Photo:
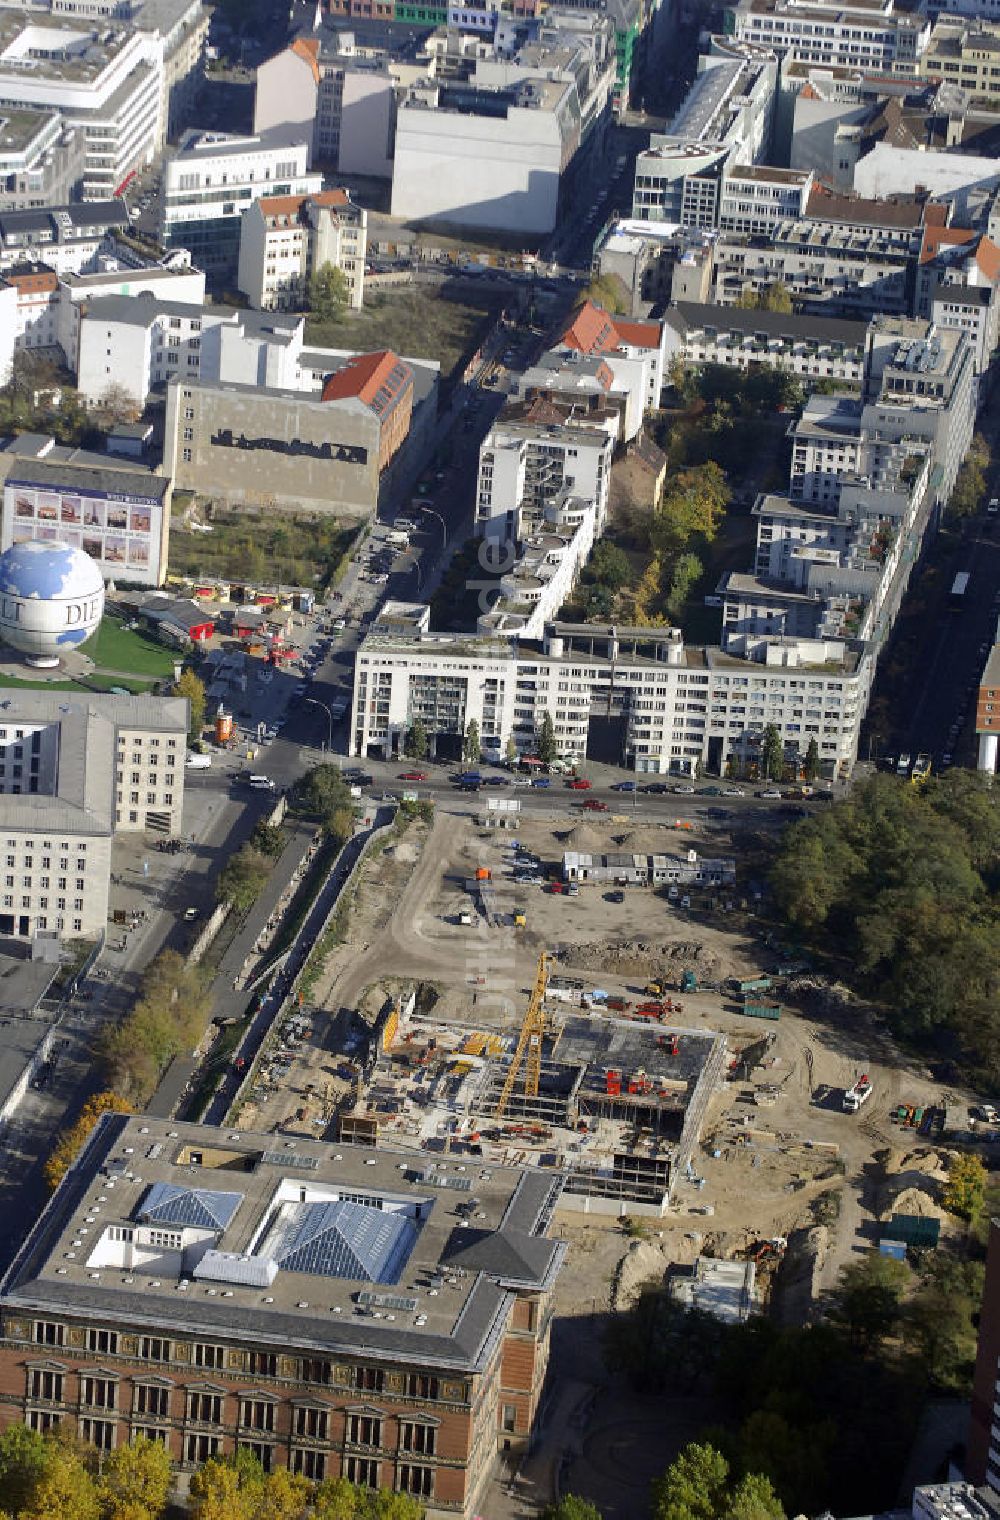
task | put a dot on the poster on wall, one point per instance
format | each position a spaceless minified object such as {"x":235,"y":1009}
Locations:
{"x":122,"y":533}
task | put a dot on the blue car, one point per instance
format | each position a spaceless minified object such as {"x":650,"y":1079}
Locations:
{"x":623,"y":786}
{"x":541,"y":781}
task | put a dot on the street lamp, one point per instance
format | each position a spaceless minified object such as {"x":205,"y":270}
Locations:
{"x":312,"y":702}
{"x":416,"y":567}
{"x":444,"y":526}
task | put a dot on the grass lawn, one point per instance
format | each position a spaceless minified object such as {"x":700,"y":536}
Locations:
{"x":114,"y":647}
{"x":418,"y":320}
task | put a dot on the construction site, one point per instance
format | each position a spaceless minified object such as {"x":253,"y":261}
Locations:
{"x":616,"y":1107}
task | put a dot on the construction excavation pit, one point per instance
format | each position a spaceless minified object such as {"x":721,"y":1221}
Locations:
{"x":614,"y":1106}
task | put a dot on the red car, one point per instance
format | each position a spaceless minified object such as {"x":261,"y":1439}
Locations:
{"x":413,"y":775}
{"x":595,"y":806}
{"x":578,"y":784}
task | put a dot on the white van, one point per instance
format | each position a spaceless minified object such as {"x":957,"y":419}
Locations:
{"x":196,"y":762}
{"x":261,"y":783}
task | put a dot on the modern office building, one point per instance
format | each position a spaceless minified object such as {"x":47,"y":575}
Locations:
{"x":212,"y":179}
{"x":41,"y":159}
{"x":104,"y":81}
{"x":74,"y":771}
{"x":724,"y":121}
{"x":285,"y":239}
{"x":876,"y":37}
{"x":982,"y":1464}
{"x":346,"y":1311}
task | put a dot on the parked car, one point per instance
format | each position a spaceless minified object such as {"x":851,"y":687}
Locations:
{"x":413,"y":775}
{"x":540,"y":781}
{"x":594,"y":805}
{"x":733,"y":791}
{"x":578,"y":784}
{"x":623,"y":786}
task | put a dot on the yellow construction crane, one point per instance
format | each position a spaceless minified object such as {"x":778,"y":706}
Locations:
{"x":529,"y":1044}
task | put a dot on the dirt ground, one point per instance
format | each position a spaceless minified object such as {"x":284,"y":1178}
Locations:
{"x":775,"y":1139}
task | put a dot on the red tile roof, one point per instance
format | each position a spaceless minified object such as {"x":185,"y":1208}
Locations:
{"x":307,"y":48}
{"x":378,"y":379}
{"x":593,"y":331}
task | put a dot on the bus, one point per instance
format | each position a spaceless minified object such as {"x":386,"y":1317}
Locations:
{"x":959,"y":587}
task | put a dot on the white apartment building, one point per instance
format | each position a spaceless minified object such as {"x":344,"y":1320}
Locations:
{"x":213,"y":178}
{"x":670,"y":709}
{"x":138,"y":343}
{"x":174,"y":280}
{"x":813,"y":347}
{"x":8,"y":330}
{"x":37,"y":310}
{"x":41,"y":159}
{"x":543,"y":571}
{"x":284,"y":240}
{"x":67,"y":238}
{"x":919,"y":397}
{"x":875,"y":37}
{"x":75,"y":770}
{"x":525,"y":467}
{"x":826,"y":267}
{"x":105,"y":81}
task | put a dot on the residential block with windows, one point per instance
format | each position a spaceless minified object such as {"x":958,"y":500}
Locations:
{"x":338,"y":1310}
{"x":73,"y":772}
{"x":285,"y":239}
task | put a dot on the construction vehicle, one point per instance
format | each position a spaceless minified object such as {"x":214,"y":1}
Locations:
{"x":689,"y":981}
{"x":650,"y":1011}
{"x":618,"y":1004}
{"x":528,"y":1052}
{"x":767,"y":1250}
{"x":520,"y":918}
{"x":754,"y":984}
{"x":855,"y":1097}
{"x":655,"y":988}
{"x":921,"y":769}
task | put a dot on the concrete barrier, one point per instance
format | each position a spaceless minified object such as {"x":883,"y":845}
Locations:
{"x":211,"y":928}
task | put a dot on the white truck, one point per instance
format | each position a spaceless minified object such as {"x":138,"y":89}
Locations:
{"x":857,"y":1096}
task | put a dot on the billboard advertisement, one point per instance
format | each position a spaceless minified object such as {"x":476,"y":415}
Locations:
{"x":123,"y":534}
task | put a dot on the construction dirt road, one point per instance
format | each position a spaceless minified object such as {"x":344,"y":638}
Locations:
{"x":778,"y":1157}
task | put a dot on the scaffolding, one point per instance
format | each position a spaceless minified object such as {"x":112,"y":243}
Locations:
{"x":529,"y":1044}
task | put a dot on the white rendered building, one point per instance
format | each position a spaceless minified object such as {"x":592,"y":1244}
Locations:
{"x":285,"y":239}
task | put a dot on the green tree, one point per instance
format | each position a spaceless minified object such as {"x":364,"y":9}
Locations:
{"x":970,"y":483}
{"x":24,"y":1457}
{"x":966,"y":1186}
{"x":754,"y":1498}
{"x":570,"y":1507}
{"x":192,"y":687}
{"x":417,"y":744}
{"x":773,"y":297}
{"x":686,"y":572}
{"x":335,"y":1499}
{"x":609,"y":292}
{"x":135,"y":1481}
{"x":609,"y":566}
{"x":63,"y":1490}
{"x":811,"y":763}
{"x":693,"y":504}
{"x":868,"y":1302}
{"x":772,"y":753}
{"x":242,"y":878}
{"x":694,"y":1486}
{"x":471,"y":744}
{"x":329,"y":293}
{"x":269,"y":839}
{"x":546,"y":739}
{"x":324,"y":794}
{"x":510,"y":751}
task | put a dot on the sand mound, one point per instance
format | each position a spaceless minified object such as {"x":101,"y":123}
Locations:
{"x":913,"y":1200}
{"x":584,"y":840}
{"x":643,"y":1262}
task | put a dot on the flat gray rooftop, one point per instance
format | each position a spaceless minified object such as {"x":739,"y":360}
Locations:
{"x":251,"y":1257}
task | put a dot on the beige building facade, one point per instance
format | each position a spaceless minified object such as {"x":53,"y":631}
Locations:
{"x":258,"y":446}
